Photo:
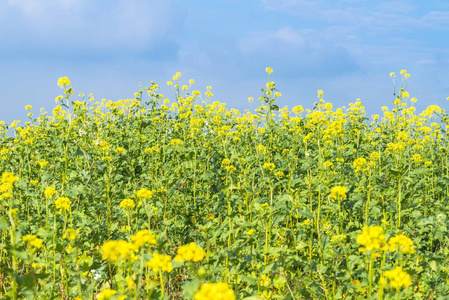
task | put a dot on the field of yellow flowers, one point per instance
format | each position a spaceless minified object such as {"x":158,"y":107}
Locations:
{"x":152,"y":198}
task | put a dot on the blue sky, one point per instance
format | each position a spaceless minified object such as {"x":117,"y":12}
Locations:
{"x":345,"y":47}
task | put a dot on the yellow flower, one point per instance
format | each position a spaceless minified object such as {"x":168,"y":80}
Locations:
{"x":63,"y":203}
{"x":250,"y":232}
{"x":70,"y":234}
{"x":42,"y":163}
{"x":338,"y":192}
{"x":219,"y":290}
{"x":106,"y":294}
{"x":28,"y":107}
{"x":226,"y":162}
{"x":320,"y":93}
{"x":230,"y":168}
{"x":305,"y":223}
{"x":8,"y":179}
{"x":190,"y":252}
{"x":64,"y":81}
{"x":417,"y":158}
{"x":359,"y":163}
{"x":120,"y":150}
{"x":49,"y":192}
{"x":269,"y":167}
{"x":175,"y":142}
{"x":269,"y":70}
{"x":127,"y":204}
{"x":261,"y":149}
{"x":143,"y":237}
{"x":279,"y":174}
{"x":398,"y":278}
{"x":160,"y":262}
{"x":372,"y":238}
{"x":113,"y":250}
{"x":130,"y":282}
{"x":402,"y":243}
{"x":5,"y":195}
{"x":144,"y":194}
{"x":32,"y":241}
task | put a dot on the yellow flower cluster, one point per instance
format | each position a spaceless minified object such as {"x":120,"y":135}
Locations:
{"x":63,"y":203}
{"x":359,"y":163}
{"x":120,"y":150}
{"x":216,"y":291}
{"x":176,"y":142}
{"x":230,"y":169}
{"x":8,"y":179}
{"x":249,"y":233}
{"x":269,"y":167}
{"x":70,"y":234}
{"x":396,"y":147}
{"x":402,"y":243}
{"x":261,"y":149}
{"x":32,"y":241}
{"x":144,"y":194}
{"x":338,"y":192}
{"x":127,"y":204}
{"x":372,"y":238}
{"x":160,"y":262}
{"x":42,"y":163}
{"x":152,"y":149}
{"x":190,"y":252}
{"x":279,"y":174}
{"x":63,"y":81}
{"x":49,"y":192}
{"x":106,"y":294}
{"x":397,"y":278}
{"x":143,"y":237}
{"x":417,"y":158}
{"x":114,"y":250}
{"x":226,"y":161}
{"x":305,"y":223}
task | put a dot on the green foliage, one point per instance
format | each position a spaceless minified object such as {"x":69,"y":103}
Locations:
{"x":254,"y":190}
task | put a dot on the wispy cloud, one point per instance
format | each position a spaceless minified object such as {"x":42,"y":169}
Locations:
{"x":125,"y":25}
{"x":298,"y":52}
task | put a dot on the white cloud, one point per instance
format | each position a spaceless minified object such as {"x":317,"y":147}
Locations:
{"x":289,"y":4}
{"x":381,"y":16}
{"x":37,"y":8}
{"x":117,"y":24}
{"x":284,"y":38}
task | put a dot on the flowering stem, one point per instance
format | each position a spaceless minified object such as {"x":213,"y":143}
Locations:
{"x":162,"y":284}
{"x":399,"y":204}
{"x":367,"y":206}
{"x":14,"y":284}
{"x":370,"y":274}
